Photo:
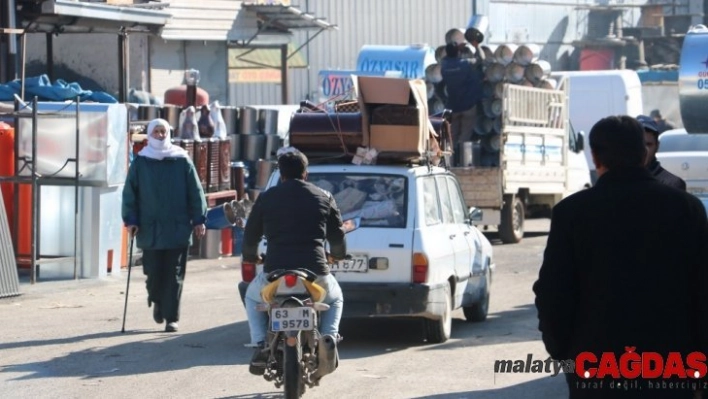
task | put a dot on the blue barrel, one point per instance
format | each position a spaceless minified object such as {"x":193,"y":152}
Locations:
{"x":220,"y":217}
{"x":237,"y":249}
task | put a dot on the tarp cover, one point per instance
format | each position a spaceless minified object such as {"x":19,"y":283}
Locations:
{"x":45,"y":90}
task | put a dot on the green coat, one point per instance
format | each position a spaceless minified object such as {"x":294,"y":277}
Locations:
{"x":165,"y":200}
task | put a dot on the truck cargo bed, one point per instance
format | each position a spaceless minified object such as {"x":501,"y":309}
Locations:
{"x":481,"y":187}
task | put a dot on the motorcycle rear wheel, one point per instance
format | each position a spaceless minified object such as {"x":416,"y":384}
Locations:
{"x":291,"y":369}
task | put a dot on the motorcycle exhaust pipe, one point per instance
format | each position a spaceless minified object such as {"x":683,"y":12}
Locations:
{"x":327,"y":356}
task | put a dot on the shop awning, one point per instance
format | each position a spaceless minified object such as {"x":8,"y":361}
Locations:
{"x":261,"y":23}
{"x":67,"y":16}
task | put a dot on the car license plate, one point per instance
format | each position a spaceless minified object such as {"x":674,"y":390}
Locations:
{"x":292,"y":319}
{"x":357,"y":264}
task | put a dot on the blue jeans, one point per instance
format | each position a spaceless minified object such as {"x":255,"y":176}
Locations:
{"x":329,"y":322}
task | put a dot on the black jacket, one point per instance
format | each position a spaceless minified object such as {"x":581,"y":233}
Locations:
{"x":665,"y":176}
{"x":295,"y":217}
{"x":626,"y":264}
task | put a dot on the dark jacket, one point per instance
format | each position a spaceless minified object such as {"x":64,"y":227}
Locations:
{"x":626,"y":264}
{"x":463,"y":80}
{"x":165,"y":199}
{"x":295,"y":217}
{"x":666,"y":177}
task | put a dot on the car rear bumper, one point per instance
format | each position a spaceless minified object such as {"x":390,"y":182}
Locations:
{"x":363,"y":300}
{"x":393,"y":300}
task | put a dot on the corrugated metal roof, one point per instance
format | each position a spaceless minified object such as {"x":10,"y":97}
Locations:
{"x":200,"y":19}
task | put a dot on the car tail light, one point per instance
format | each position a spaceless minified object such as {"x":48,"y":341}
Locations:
{"x":248,"y":271}
{"x":420,"y":268}
{"x":290,"y":280}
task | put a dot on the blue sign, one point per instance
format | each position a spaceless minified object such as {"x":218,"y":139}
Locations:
{"x":411,"y":61}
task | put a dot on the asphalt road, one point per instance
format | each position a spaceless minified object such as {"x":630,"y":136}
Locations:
{"x":62,"y":339}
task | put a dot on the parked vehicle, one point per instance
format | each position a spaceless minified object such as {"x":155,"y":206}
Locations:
{"x":416,"y":253}
{"x":540,"y":162}
{"x":299,"y":356}
{"x":597,"y":94}
{"x":686,"y":156}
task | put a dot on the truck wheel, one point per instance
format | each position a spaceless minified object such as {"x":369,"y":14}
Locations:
{"x":438,"y":331}
{"x":511,"y":229}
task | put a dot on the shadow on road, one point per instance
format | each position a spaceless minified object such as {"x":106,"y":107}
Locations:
{"x":268,"y":395}
{"x":163,"y":352}
{"x":510,"y":326}
{"x":373,"y":337}
{"x":542,"y":388}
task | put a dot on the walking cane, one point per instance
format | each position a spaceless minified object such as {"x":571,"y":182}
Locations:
{"x":127,"y":287}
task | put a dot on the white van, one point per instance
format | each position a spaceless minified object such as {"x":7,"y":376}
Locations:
{"x":597,"y":94}
{"x":416,"y":253}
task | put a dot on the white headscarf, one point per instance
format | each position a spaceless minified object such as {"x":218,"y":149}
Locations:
{"x":161,"y":149}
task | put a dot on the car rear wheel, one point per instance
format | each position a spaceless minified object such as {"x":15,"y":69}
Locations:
{"x":478,"y":312}
{"x":438,"y":331}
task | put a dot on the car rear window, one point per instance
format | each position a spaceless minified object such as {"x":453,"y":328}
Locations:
{"x":684,"y":142}
{"x":381,"y":200}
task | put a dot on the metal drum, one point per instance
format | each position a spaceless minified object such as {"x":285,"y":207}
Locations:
{"x":273,"y":143}
{"x":514,"y":72}
{"x":224,"y":164}
{"x":238,"y":178}
{"x":148,"y":112}
{"x":537,"y":70}
{"x":252,"y":146}
{"x":465,"y":158}
{"x":230,"y":115}
{"x":693,"y":80}
{"x":526,"y":54}
{"x":504,"y":54}
{"x":212,"y":164}
{"x":433,"y":73}
{"x":264,"y":169}
{"x":235,"y":140}
{"x":440,"y":53}
{"x":494,"y":72}
{"x":188,"y":146}
{"x":201,"y":161}
{"x":170,"y":113}
{"x":477,"y":28}
{"x":268,"y":121}
{"x":248,"y":120}
{"x":455,"y":35}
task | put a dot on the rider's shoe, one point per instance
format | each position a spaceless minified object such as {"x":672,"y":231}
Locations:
{"x":259,"y":359}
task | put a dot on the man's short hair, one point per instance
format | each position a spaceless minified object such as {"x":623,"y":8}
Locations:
{"x":618,"y":142}
{"x":451,"y":50}
{"x":655,"y":114}
{"x":292,"y":165}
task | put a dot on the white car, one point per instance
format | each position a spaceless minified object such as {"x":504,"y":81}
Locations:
{"x":686,"y":156}
{"x":416,"y":253}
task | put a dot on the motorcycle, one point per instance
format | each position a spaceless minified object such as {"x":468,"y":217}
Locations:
{"x":298,"y":355}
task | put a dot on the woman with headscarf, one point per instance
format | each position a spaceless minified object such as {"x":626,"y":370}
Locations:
{"x":163,"y":204}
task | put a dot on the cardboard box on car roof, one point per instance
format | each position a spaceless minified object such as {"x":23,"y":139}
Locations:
{"x":400,"y":114}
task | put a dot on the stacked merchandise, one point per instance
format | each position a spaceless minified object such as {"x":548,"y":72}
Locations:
{"x":512,"y":64}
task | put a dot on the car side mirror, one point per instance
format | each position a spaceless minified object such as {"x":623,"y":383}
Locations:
{"x":580,"y":141}
{"x":351,"y":224}
{"x":476,"y":214}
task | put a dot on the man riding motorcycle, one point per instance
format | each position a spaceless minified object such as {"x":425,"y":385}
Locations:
{"x":296,"y":217}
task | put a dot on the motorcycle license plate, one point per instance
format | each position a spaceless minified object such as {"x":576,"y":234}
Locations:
{"x":292,"y":319}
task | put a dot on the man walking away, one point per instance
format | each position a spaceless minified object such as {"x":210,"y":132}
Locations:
{"x":625,"y":269}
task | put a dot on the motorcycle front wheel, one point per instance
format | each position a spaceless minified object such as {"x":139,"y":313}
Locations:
{"x":291,"y":371}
